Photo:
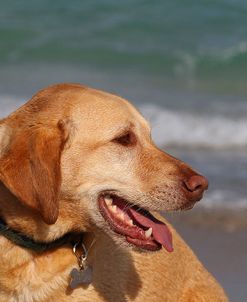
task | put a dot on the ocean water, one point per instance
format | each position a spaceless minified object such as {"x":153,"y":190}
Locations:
{"x":182,"y":63}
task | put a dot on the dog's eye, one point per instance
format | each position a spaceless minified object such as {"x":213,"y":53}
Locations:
{"x":127,"y":139}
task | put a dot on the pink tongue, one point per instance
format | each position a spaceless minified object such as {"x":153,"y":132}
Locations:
{"x":161,"y":233}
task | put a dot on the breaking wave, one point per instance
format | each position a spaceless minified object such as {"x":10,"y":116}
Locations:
{"x":178,"y":128}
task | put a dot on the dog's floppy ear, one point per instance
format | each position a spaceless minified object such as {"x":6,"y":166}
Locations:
{"x":30,"y":167}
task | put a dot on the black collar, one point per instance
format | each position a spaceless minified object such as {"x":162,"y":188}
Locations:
{"x":28,"y":243}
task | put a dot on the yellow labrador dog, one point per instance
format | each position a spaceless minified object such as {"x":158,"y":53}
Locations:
{"x":79,"y":178}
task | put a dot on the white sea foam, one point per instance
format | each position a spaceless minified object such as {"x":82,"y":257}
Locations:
{"x":223,"y":199}
{"x":172,"y":128}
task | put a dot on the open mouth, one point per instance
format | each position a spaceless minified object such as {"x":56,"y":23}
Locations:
{"x":139,"y":227}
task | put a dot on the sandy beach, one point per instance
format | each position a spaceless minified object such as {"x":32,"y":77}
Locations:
{"x":222,"y":247}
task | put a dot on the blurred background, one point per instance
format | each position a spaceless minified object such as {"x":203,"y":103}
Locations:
{"x":183,"y":64}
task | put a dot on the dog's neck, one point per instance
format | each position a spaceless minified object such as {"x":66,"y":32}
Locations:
{"x":12,"y":225}
{"x":26,"y":221}
{"x":26,"y":242}
{"x":26,"y":265}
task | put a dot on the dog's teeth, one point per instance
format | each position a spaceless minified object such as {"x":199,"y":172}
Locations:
{"x":114,"y":209}
{"x":121,"y":216}
{"x":108,"y":200}
{"x":130,"y":222}
{"x":148,"y":233}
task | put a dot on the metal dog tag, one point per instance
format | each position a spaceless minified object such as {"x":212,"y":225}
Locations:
{"x":81,"y":277}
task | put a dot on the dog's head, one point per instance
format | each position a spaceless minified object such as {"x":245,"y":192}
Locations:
{"x":80,"y":159}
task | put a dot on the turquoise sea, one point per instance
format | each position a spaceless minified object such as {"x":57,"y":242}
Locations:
{"x":183,"y":63}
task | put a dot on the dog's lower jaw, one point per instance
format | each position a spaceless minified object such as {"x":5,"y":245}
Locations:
{"x":136,"y":225}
